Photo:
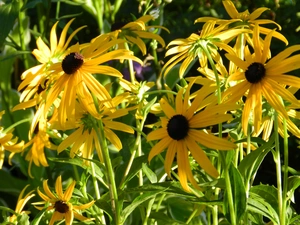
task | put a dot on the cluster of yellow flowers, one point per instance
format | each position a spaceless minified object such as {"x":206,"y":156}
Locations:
{"x":66,"y":95}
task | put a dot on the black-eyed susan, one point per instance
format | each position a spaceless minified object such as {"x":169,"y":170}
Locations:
{"x":72,"y":79}
{"x":135,"y":31}
{"x":268,"y":119}
{"x":183,"y":132}
{"x":258,"y":78}
{"x":22,"y":201}
{"x":84,"y":140}
{"x":36,"y":149}
{"x":245,"y":20}
{"x":35,"y":78}
{"x":61,"y":203}
{"x":8,"y":142}
{"x":197,"y":46}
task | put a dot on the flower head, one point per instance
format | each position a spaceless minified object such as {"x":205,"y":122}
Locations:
{"x":7,"y":142}
{"x":72,"y":79}
{"x":34,"y":78}
{"x":197,"y":46}
{"x":258,"y":78}
{"x":61,"y":203}
{"x":246,"y":20}
{"x":84,"y":140}
{"x":22,"y":200}
{"x":134,"y":31}
{"x":183,"y":129}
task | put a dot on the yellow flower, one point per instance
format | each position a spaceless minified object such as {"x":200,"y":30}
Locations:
{"x":34,"y":78}
{"x":197,"y":46}
{"x":258,"y":78}
{"x":36,"y":152}
{"x":246,"y":20}
{"x":268,"y":123}
{"x":72,"y":79}
{"x":84,"y":140}
{"x":7,"y":142}
{"x":21,"y":203}
{"x":183,"y":129}
{"x":134,"y":31}
{"x":61,"y":203}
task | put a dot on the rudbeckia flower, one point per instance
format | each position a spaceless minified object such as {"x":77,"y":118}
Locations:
{"x":7,"y":142}
{"x":61,"y":203}
{"x":22,"y":200}
{"x":35,"y":77}
{"x":183,"y":132}
{"x":268,"y":123}
{"x":258,"y":78}
{"x":84,"y":140}
{"x":134,"y":31}
{"x":72,"y":79}
{"x":246,"y":20}
{"x":197,"y":46}
{"x":36,"y":151}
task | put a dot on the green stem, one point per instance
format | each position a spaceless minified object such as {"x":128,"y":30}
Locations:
{"x":117,"y":6}
{"x":57,"y":10}
{"x":285,"y":171}
{"x":139,"y":147}
{"x":110,"y":173}
{"x":21,"y":18}
{"x":222,"y":154}
{"x":130,"y":66}
{"x":15,"y":124}
{"x":192,"y":216}
{"x":99,"y":5}
{"x":228,"y":190}
{"x":97,"y":192}
{"x":277,"y":161}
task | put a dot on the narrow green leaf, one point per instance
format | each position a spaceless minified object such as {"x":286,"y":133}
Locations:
{"x":164,"y":219}
{"x":8,"y":15}
{"x":250,"y":164}
{"x":293,"y":184}
{"x":135,"y":168}
{"x":79,"y":162}
{"x":238,"y":195}
{"x":149,"y":173}
{"x":136,"y":202}
{"x":170,"y":188}
{"x":101,"y":204}
{"x":38,"y":217}
{"x":266,"y":202}
{"x":256,"y":204}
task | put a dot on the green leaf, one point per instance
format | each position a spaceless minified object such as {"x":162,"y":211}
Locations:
{"x":263,"y":200}
{"x":293,"y":184}
{"x":8,"y":15}
{"x":149,"y":173}
{"x":170,"y":188}
{"x":79,"y":162}
{"x":31,"y":4}
{"x":250,"y":164}
{"x":38,"y":217}
{"x":136,"y":202}
{"x":295,"y":220}
{"x":238,"y":195}
{"x":102,"y":204}
{"x":12,"y":184}
{"x":135,"y":168}
{"x":162,"y":218}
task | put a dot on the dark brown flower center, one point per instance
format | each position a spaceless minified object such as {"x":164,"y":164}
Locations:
{"x":178,"y":127}
{"x":72,"y":62}
{"x":61,"y":207}
{"x":255,"y":72}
